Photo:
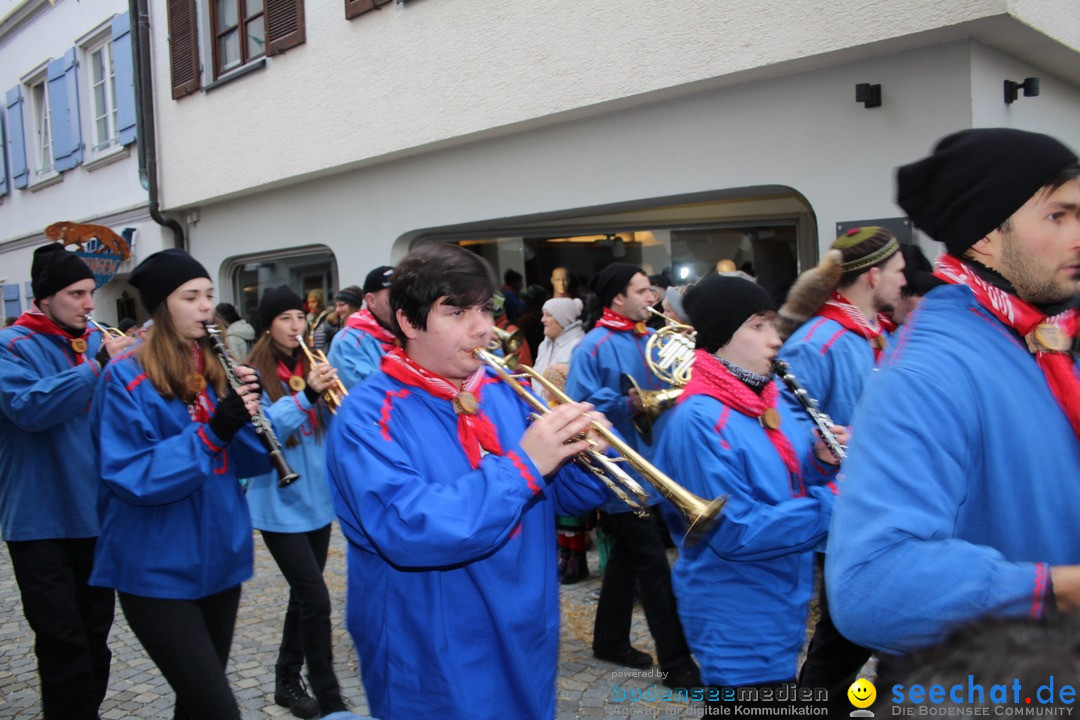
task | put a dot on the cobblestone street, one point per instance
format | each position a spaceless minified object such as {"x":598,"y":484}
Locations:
{"x":137,"y":690}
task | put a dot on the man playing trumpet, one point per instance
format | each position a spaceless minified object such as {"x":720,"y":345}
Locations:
{"x":448,"y":495}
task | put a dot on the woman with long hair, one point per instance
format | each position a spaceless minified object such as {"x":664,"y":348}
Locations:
{"x":173,"y":437}
{"x":296,"y":524}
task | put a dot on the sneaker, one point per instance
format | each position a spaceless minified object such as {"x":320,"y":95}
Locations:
{"x":292,"y":693}
{"x":629,"y":656}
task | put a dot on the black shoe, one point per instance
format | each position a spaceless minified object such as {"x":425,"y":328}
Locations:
{"x":292,"y":694}
{"x":330,"y":706}
{"x":577,"y":568}
{"x":628,"y":656}
{"x":688,"y":678}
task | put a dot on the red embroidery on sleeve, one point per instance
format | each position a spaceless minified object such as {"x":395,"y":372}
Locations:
{"x":524,"y":470}
{"x":384,"y":414}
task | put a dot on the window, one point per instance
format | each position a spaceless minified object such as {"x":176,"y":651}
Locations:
{"x":103,"y":95}
{"x":239,"y":28}
{"x":43,"y":145}
{"x":232,"y":34}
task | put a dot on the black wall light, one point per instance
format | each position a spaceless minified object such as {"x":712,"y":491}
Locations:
{"x":869,"y":95}
{"x":1030,"y":86}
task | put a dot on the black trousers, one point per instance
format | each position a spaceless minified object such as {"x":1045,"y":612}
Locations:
{"x":189,"y":642}
{"x":638,"y":559}
{"x":306,"y":635}
{"x":71,"y":622}
{"x":832,"y":661}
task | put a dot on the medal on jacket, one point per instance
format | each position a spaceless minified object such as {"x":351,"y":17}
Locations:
{"x":641,"y":328}
{"x":770,"y":419}
{"x":78,"y":345}
{"x":465,"y":403}
{"x":296,"y":383}
{"x":195,"y":383}
{"x":1047,"y":337}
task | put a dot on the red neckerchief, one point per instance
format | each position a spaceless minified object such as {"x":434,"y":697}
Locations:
{"x":840,"y":309}
{"x":39,"y":322}
{"x":615,"y":321}
{"x":285,"y":374}
{"x":475,"y":430}
{"x":711,"y":378}
{"x":364,"y":321}
{"x":1057,"y":365}
{"x":200,"y":406}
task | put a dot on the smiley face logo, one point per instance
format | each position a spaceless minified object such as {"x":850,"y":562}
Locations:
{"x":862,"y":693}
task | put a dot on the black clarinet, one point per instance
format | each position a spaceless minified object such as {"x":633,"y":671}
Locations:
{"x":263,"y":428}
{"x":821,"y":420}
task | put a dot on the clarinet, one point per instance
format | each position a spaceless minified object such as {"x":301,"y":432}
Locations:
{"x":263,"y":429}
{"x":821,"y":420}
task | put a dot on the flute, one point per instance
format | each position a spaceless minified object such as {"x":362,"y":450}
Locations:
{"x":263,"y":428}
{"x":823,"y":422}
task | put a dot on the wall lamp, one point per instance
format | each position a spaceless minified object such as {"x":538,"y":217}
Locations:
{"x":869,"y":95}
{"x":1030,"y":86}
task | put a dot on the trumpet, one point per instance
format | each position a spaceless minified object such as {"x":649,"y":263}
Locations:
{"x":698,"y":514}
{"x":508,"y":342}
{"x":331,"y":396}
{"x":263,"y":428}
{"x":823,"y":422}
{"x":105,"y":329}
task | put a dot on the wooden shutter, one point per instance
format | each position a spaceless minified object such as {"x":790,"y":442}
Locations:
{"x":63,"y":92}
{"x":359,"y":7}
{"x":123,"y":67}
{"x":284,"y":25}
{"x":3,"y":160}
{"x":183,"y":47}
{"x":20,"y":172}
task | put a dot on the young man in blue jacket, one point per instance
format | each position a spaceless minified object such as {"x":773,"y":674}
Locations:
{"x":50,"y":361}
{"x":965,"y":463}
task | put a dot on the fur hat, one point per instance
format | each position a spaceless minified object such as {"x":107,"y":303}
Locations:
{"x":54,"y":268}
{"x":809,"y":293}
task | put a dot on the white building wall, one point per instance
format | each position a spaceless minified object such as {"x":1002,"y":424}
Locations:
{"x":415,"y":76}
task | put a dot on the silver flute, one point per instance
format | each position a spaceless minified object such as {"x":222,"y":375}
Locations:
{"x":823,"y":422}
{"x":263,"y":428}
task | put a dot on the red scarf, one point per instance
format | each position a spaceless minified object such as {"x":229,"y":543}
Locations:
{"x":711,"y":378}
{"x":285,"y":375}
{"x":840,"y":309}
{"x":39,"y":322}
{"x":200,"y":407}
{"x":615,"y":321}
{"x":364,"y":321}
{"x":1057,"y":365}
{"x":475,"y":430}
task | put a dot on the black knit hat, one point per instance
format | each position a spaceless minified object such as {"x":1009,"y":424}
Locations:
{"x":54,"y":268}
{"x":975,"y":180}
{"x":718,"y":305}
{"x":158,"y":275}
{"x":275,"y":301}
{"x":377,"y":279}
{"x":613,"y":280}
{"x":351,"y":295}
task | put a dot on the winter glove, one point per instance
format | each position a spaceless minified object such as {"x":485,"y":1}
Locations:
{"x":230,"y":416}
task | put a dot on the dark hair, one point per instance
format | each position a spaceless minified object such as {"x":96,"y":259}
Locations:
{"x":433,"y":271}
{"x":1064,"y":175}
{"x":227,"y":312}
{"x":512,"y":276}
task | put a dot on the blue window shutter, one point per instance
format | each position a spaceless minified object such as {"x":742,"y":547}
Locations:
{"x":64,"y":108}
{"x":125,"y":79}
{"x":16,"y":141}
{"x":3,"y":158}
{"x":12,"y":307}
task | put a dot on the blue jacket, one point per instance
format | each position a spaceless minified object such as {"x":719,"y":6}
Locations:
{"x":453,"y":598}
{"x":744,"y":589}
{"x":48,"y":470}
{"x":304,"y":505}
{"x":174,"y":522}
{"x":597,"y":366}
{"x":356,"y":355}
{"x":832,"y":364}
{"x":959,"y":488}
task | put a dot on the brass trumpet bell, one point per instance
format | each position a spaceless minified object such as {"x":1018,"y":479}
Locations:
{"x":507,"y":342}
{"x":653,"y":405}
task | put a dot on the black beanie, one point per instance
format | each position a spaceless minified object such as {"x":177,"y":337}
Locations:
{"x":718,"y":305}
{"x":376,"y":280}
{"x":351,"y":295}
{"x":975,"y":180}
{"x":613,"y":280}
{"x":158,"y":275}
{"x":54,"y":268}
{"x":276,"y":301}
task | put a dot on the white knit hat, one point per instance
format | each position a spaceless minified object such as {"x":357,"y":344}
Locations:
{"x":564,"y":310}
